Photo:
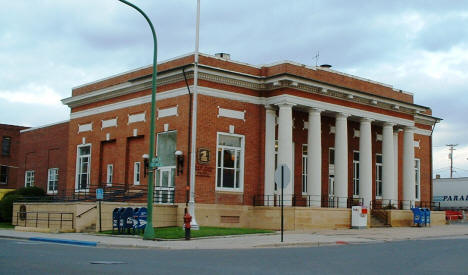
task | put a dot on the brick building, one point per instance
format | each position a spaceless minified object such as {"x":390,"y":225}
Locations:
{"x":10,"y":138}
{"x":347,"y":139}
{"x":43,"y":157}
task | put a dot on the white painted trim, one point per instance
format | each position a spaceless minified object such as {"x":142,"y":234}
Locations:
{"x":248,"y":99}
{"x":337,"y":108}
{"x":166,"y":112}
{"x":422,"y":132}
{"x":109,"y":123}
{"x":241,"y":170}
{"x":356,"y":133}
{"x":416,"y":144}
{"x":231,"y":113}
{"x":128,"y":103}
{"x":135,"y":181}
{"x":77,"y":166}
{"x":378,"y":137}
{"x":133,"y":118}
{"x":43,"y":126}
{"x":48,"y":181}
{"x":85,"y":127}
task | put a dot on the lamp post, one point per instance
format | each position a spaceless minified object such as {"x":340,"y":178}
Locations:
{"x":153,"y":161}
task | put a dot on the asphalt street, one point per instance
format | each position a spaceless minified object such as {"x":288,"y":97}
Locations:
{"x":447,"y":256}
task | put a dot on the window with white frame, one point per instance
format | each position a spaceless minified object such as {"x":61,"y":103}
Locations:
{"x":165,"y":174}
{"x":52,"y":181}
{"x":136,"y":173}
{"x":110,"y":174}
{"x":331,"y":172}
{"x":3,"y":174}
{"x":304,"y":168}
{"x":378,"y":175}
{"x":229,"y":164}
{"x":29,"y":178}
{"x":83,"y":167}
{"x":417,"y":180}
{"x":356,"y":173}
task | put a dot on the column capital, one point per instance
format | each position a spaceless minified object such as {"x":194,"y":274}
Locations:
{"x":269,"y":107}
{"x":409,"y":129}
{"x":388,"y":124}
{"x":366,"y":119}
{"x":315,"y":110}
{"x":342,"y":115}
{"x":285,"y":104}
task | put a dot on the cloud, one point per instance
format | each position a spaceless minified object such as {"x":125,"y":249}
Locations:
{"x":33,"y":94}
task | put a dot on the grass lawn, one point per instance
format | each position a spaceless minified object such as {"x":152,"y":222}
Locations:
{"x":205,"y":231}
{"x":6,"y":225}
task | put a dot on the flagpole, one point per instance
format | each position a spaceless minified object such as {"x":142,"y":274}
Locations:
{"x":194,"y":223}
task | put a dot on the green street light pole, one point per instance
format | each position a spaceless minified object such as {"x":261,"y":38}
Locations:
{"x":153,"y":161}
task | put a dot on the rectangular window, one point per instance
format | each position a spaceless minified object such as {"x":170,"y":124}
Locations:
{"x":165,"y":175}
{"x":110,"y":174}
{"x":52,"y":181}
{"x":29,"y":178}
{"x":417,"y":180}
{"x":331,"y":156}
{"x":136,"y":173}
{"x":6,"y":144}
{"x":230,"y":161}
{"x":3,"y":174}
{"x":83,"y":168}
{"x":378,"y":175}
{"x":356,"y":173}
{"x":304,"y":168}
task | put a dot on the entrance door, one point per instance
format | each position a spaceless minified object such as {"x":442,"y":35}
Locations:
{"x":164,"y":188}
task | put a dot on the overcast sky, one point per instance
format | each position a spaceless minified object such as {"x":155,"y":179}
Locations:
{"x":49,"y":46}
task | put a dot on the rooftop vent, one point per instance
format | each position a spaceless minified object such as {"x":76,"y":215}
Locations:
{"x":327,"y":66}
{"x":225,"y":56}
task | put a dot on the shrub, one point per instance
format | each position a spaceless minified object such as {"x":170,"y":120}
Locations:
{"x":6,"y":204}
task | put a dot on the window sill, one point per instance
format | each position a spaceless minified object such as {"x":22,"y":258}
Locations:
{"x":227,"y":191}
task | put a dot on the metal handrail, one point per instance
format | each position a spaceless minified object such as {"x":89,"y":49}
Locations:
{"x":37,"y":219}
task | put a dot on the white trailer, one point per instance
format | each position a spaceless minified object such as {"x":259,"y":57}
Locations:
{"x":450,"y":193}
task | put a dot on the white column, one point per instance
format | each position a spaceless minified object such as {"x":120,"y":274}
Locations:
{"x":395,"y":167}
{"x":408,"y":168}
{"x":314,"y":158}
{"x":341,"y":159}
{"x":269,"y":155}
{"x":365,"y":161}
{"x":285,"y":146}
{"x":387,"y":163}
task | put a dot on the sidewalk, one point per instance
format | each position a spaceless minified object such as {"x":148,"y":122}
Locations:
{"x":291,"y":239}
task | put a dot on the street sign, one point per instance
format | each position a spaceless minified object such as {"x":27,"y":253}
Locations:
{"x":283,"y":173}
{"x":99,"y":194}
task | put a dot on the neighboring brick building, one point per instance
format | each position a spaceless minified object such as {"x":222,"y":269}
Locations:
{"x":345,"y":137}
{"x":10,"y":140}
{"x":43,"y":158}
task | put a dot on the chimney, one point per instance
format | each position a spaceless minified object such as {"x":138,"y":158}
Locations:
{"x":224,"y":56}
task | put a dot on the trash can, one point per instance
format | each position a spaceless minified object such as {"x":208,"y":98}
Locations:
{"x":416,"y":216}
{"x":142,"y":216}
{"x":135,"y":219}
{"x":126,"y":216}
{"x":120,"y":221}
{"x":427,"y":214}
{"x":115,"y":219}
{"x":423,"y":216}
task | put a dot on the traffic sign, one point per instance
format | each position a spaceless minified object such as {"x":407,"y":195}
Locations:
{"x":99,"y":194}
{"x":283,"y":174}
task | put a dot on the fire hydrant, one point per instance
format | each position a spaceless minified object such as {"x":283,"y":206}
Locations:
{"x":187,"y":220}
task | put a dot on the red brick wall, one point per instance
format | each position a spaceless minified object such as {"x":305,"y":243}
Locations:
{"x":11,"y":160}
{"x":41,"y":149}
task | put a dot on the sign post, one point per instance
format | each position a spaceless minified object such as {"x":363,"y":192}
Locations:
{"x":99,"y":198}
{"x":282,"y":177}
